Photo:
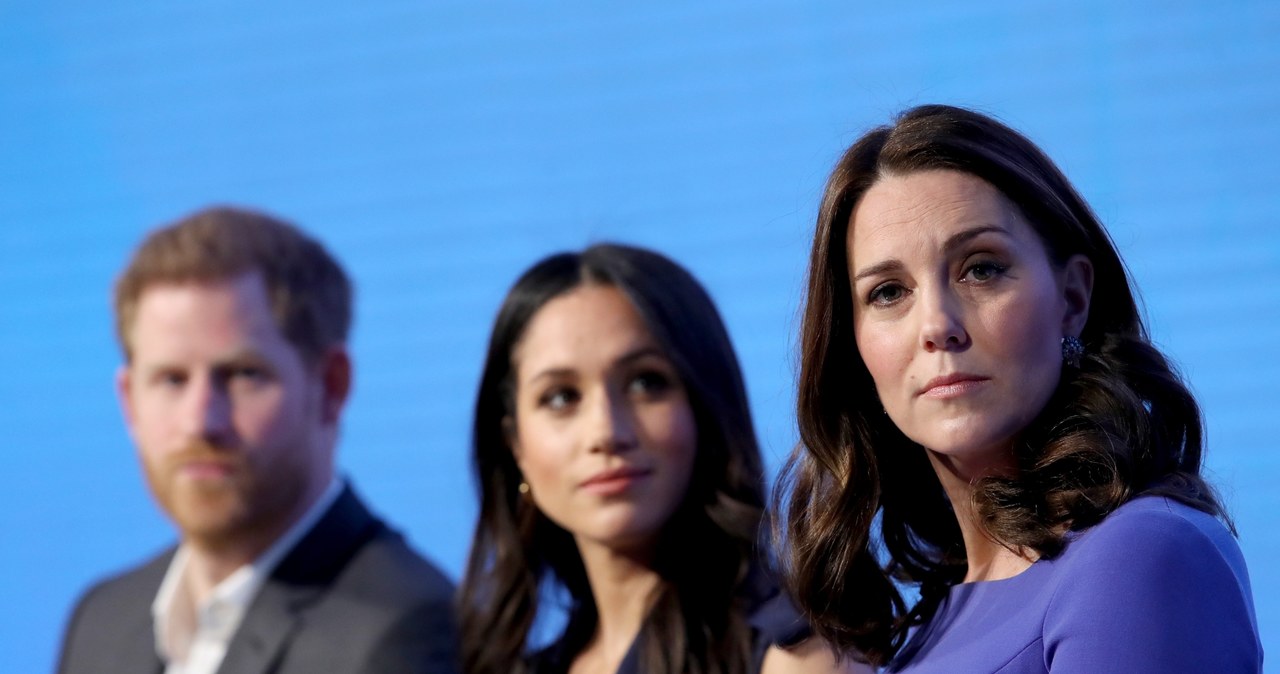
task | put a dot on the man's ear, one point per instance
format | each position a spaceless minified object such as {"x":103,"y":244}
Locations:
{"x":336,"y":380}
{"x":124,"y":392}
{"x":1077,"y":291}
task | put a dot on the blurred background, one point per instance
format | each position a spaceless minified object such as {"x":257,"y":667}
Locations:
{"x":439,"y":148}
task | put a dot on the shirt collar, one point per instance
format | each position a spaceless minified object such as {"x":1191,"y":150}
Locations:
{"x":175,"y":617}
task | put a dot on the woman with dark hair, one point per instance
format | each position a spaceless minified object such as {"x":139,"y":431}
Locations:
{"x":977,"y":382}
{"x":616,"y":461}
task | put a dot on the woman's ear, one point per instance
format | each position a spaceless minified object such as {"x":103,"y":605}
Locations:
{"x":509,"y":434}
{"x":1077,"y":291}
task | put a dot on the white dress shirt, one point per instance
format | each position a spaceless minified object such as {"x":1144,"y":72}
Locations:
{"x":193,"y":639}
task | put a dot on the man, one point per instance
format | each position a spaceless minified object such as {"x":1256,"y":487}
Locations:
{"x":233,"y":326}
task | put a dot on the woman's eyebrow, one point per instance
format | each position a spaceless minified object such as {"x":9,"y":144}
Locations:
{"x":554,"y":372}
{"x":948,"y":247}
{"x":642,"y":352}
{"x":878,"y":268}
{"x":960,"y":238}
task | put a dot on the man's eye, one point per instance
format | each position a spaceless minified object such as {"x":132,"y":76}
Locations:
{"x":250,"y":373}
{"x":171,"y":379}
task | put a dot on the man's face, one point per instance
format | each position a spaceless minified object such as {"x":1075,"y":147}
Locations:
{"x":234,"y":430}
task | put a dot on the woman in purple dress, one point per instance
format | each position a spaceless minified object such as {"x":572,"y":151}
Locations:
{"x":618,"y":471}
{"x":980,"y":407}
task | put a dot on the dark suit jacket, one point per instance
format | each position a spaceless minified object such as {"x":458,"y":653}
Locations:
{"x":350,"y":597}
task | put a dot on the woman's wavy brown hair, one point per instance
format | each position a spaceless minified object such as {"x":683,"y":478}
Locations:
{"x":708,"y":552}
{"x":857,"y":490}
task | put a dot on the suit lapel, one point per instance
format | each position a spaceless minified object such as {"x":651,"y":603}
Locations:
{"x":137,"y":652}
{"x":267,"y":628}
{"x":302,"y":578}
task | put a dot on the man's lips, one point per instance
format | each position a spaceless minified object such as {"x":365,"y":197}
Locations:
{"x":206,"y":468}
{"x":951,"y":385}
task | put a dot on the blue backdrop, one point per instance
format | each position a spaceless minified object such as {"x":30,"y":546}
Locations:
{"x":439,"y":148}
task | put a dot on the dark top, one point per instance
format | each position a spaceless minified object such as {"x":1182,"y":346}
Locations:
{"x":350,"y":598}
{"x":1156,"y":587}
{"x":773,"y":620}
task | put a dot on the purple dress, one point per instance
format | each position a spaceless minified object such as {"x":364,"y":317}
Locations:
{"x":1156,"y":587}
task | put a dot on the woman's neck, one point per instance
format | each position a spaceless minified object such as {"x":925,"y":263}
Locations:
{"x":987,"y":558}
{"x":623,"y":585}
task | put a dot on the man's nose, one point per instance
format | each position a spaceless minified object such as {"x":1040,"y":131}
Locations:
{"x":208,"y":411}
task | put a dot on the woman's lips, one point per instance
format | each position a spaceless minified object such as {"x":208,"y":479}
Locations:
{"x":614,"y":481}
{"x":952,"y":385}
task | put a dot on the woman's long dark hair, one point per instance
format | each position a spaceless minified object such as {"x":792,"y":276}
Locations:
{"x":1121,"y":425}
{"x":708,"y":549}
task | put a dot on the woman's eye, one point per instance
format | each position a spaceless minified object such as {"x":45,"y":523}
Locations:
{"x":649,"y":383}
{"x":886,"y":293}
{"x":983,"y":271}
{"x":558,"y":399}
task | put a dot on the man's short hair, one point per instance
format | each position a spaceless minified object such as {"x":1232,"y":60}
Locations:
{"x":309,"y":292}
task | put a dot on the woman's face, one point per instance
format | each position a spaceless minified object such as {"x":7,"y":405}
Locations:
{"x":959,"y":313}
{"x":603,"y":431}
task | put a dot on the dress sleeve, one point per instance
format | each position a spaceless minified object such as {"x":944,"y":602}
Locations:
{"x":777,"y":622}
{"x":1155,"y":591}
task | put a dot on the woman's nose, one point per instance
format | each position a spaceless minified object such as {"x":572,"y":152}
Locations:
{"x":941,"y":322}
{"x":613,"y":424}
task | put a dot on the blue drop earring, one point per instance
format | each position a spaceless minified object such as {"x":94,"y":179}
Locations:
{"x":1072,"y":351}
